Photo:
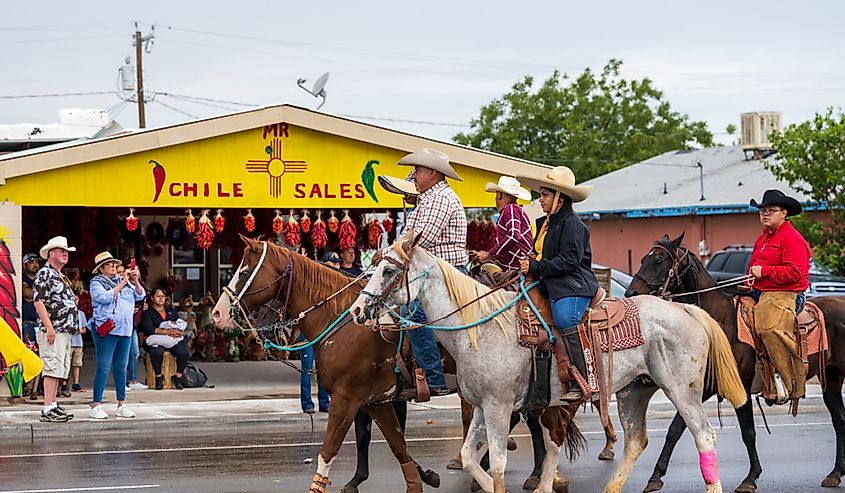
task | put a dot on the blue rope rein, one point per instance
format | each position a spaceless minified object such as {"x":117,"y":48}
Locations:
{"x":268,"y":344}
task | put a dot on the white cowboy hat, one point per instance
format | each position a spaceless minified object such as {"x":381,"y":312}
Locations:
{"x":397,"y":185}
{"x":103,"y":258}
{"x":510,"y":186}
{"x":559,"y":178}
{"x":431,"y":159}
{"x":55,"y":242}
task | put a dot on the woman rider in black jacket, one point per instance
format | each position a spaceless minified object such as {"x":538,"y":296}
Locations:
{"x":563,"y":260}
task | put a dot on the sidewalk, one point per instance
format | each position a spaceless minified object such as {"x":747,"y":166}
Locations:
{"x":245,"y":393}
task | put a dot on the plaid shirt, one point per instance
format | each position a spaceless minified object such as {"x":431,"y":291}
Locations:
{"x":441,"y":219}
{"x":513,"y":237}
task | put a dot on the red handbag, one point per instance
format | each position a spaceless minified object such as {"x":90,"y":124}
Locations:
{"x":104,"y":328}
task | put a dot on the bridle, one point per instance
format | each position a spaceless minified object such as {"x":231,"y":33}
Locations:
{"x":679,"y":256}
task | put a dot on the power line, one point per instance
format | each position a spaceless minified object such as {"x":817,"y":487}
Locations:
{"x":67,"y":27}
{"x":399,"y":120}
{"x":47,"y":40}
{"x":173,"y":108}
{"x":57,"y":95}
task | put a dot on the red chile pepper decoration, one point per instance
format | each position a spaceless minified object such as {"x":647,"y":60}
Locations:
{"x":333,"y":223}
{"x":190,"y":222}
{"x":373,"y":232}
{"x":219,"y":221}
{"x":131,"y":221}
{"x":158,"y":177}
{"x":205,"y":232}
{"x":305,"y":222}
{"x":292,"y":231}
{"x":387,"y":223}
{"x":319,"y":238}
{"x":347,"y":232}
{"x":278,"y":223}
{"x":249,"y":221}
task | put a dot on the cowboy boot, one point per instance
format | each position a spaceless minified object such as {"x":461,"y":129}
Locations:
{"x":572,"y":342}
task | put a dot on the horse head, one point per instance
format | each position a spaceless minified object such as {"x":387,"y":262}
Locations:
{"x":394,"y":282}
{"x":259,"y":280}
{"x":662,"y":269}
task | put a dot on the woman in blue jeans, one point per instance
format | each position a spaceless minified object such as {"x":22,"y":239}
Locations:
{"x":563,"y":259}
{"x":113,"y":298}
{"x":306,"y":360}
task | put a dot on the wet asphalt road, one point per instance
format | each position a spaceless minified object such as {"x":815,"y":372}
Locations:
{"x":273,"y":459}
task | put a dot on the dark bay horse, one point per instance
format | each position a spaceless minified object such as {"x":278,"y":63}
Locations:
{"x":668,"y":259}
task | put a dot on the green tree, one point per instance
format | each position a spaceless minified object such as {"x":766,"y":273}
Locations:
{"x":594,"y":123}
{"x":811,"y":158}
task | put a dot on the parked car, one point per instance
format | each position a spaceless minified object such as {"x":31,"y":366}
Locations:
{"x":619,"y":281}
{"x":732,"y":262}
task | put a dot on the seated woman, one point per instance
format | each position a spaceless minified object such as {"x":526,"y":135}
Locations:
{"x":151,"y":320}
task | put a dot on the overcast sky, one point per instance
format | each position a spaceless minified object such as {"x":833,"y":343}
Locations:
{"x":435,"y":61}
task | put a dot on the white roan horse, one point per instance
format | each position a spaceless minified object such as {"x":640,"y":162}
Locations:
{"x":683,"y":345}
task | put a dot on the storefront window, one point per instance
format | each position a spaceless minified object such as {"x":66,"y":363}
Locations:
{"x":225,"y":269}
{"x":189,"y":270}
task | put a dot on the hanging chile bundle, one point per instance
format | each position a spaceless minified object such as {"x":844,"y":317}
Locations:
{"x":319,"y":238}
{"x":293,"y":236}
{"x":387,"y":223}
{"x":131,"y":221}
{"x":472,"y":235}
{"x":347,"y":232}
{"x":305,"y":222}
{"x":373,"y":232}
{"x":333,"y":223}
{"x":219,"y":221}
{"x":278,"y":223}
{"x":205,"y":232}
{"x":190,"y":222}
{"x":249,"y":221}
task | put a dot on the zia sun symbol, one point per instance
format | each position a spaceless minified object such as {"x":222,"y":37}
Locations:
{"x":275,"y":166}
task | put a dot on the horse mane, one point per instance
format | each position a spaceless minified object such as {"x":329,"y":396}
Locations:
{"x":317,"y":281}
{"x":463,"y":289}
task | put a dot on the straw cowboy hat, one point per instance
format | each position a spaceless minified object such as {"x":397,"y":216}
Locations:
{"x":510,"y":186}
{"x":55,"y":242}
{"x":776,"y":197}
{"x":397,"y":185}
{"x":102,"y":259}
{"x":559,"y":178}
{"x":431,"y":159}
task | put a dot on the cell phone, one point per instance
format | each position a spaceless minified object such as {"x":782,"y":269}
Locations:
{"x":131,"y":264}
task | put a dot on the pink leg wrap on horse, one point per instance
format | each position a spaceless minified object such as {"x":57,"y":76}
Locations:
{"x":709,"y":466}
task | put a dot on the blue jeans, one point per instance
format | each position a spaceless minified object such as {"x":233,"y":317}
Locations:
{"x":306,"y":359}
{"x":799,"y":300}
{"x":567,"y":312}
{"x":425,"y":347}
{"x":132,"y":366}
{"x":112,"y":354}
{"x":29,"y":329}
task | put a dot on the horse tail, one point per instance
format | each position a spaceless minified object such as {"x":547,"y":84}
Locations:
{"x":721,"y":365}
{"x":573,"y":442}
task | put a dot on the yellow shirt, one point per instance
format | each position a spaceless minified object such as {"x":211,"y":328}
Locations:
{"x":538,"y":245}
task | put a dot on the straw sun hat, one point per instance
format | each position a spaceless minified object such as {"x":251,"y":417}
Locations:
{"x":431,"y":159}
{"x":559,"y":178}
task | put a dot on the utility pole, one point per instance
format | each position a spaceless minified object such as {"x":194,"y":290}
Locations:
{"x":139,"y":41}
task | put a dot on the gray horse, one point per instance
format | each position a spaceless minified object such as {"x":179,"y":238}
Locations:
{"x":683,"y":345}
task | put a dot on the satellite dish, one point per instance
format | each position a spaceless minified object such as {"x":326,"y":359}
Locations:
{"x":319,"y":89}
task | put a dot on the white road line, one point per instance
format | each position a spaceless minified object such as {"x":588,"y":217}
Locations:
{"x":90,"y":488}
{"x":305,"y":444}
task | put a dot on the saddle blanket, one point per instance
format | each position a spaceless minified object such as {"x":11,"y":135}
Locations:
{"x":816,"y":339}
{"x":627,"y":334}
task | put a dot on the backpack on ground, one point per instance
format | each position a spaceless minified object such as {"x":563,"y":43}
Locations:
{"x":193,"y":376}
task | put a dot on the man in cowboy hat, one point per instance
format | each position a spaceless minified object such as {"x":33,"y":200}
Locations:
{"x":563,"y":262}
{"x":513,"y":228}
{"x":780,"y":264}
{"x":55,"y":305}
{"x":440,"y":218}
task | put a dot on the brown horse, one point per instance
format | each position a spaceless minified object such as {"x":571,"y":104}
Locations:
{"x":356,"y":364}
{"x":688,"y":275}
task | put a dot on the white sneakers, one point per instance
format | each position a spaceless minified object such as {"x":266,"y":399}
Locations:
{"x":137,"y":386}
{"x":97,"y":412}
{"x":124,"y":412}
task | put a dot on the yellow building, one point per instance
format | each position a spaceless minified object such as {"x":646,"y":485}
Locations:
{"x":279,"y":157}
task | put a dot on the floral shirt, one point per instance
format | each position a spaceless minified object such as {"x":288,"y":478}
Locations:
{"x":53,"y":289}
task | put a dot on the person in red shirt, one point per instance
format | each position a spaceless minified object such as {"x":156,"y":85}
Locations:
{"x":780,"y":264}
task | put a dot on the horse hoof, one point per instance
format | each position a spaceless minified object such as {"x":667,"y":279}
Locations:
{"x":511,"y":444}
{"x":653,"y":485}
{"x":560,"y":485}
{"x":455,"y":464}
{"x":531,"y":483}
{"x":349,"y":489}
{"x":606,"y":455}
{"x":431,"y":478}
{"x":746,"y":487}
{"x":474,"y":486}
{"x":831,"y":482}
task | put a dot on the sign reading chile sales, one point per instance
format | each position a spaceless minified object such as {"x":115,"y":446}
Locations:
{"x":191,"y":189}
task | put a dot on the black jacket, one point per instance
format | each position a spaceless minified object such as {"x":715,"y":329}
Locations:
{"x":151,"y":319}
{"x":566,"y":264}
